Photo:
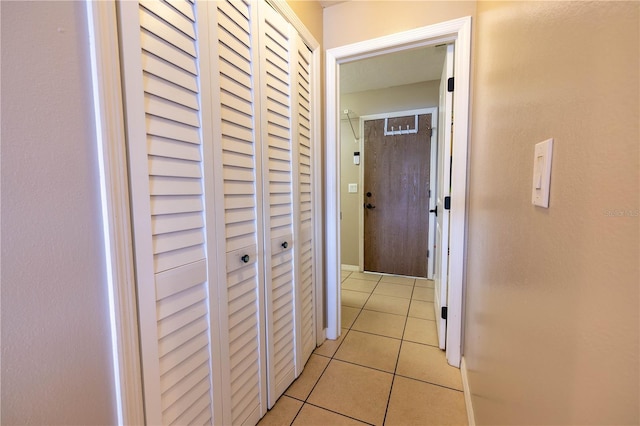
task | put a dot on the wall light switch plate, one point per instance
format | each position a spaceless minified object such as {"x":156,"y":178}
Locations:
{"x":542,"y":173}
{"x":353,"y":187}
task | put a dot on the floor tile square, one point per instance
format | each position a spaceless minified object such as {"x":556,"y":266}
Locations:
{"x":420,"y":309}
{"x":423,"y":293}
{"x":282,"y":413}
{"x":355,"y":299}
{"x":397,"y":280}
{"x":344,"y":275}
{"x":421,"y":331}
{"x":381,"y":323}
{"x":311,"y":415}
{"x":352,"y":390}
{"x":395,"y":290}
{"x":365,"y":276}
{"x":302,"y":386}
{"x":388,"y":304}
{"x":369,"y":350}
{"x":348,"y":316}
{"x":417,"y":403}
{"x":421,"y":282}
{"x":359,"y":285}
{"x":429,"y":364}
{"x":329,"y":347}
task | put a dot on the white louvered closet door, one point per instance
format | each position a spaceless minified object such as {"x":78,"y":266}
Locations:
{"x":234,"y":63}
{"x":303,"y":150}
{"x":277,"y":160}
{"x":161,"y":82}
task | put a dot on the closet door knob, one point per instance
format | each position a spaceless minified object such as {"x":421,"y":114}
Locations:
{"x":245,"y":258}
{"x":285,"y":245}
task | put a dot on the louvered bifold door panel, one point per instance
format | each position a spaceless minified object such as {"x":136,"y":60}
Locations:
{"x":305,"y":272}
{"x":235,"y":87}
{"x":160,"y":65}
{"x":275,"y":66}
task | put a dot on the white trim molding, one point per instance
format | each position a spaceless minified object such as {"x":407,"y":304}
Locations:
{"x":114,"y":191}
{"x":457,"y":31}
{"x":283,"y":8}
{"x":471,"y":419}
{"x":350,"y":268}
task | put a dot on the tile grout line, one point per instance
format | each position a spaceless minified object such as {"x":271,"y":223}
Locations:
{"x":429,"y":383}
{"x":336,"y":412}
{"x":331,"y":359}
{"x":393,"y":380}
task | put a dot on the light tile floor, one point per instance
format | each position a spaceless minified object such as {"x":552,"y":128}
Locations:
{"x":386,"y":367}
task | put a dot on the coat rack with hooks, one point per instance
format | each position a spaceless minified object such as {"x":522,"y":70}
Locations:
{"x":400,"y":131}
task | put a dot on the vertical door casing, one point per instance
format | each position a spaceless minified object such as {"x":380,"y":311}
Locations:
{"x":235,"y":116}
{"x":161,"y":91}
{"x":278,"y":207}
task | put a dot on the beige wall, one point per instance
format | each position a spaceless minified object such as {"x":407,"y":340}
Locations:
{"x":349,"y":202}
{"x":399,"y":98}
{"x":310,"y":13}
{"x":56,"y":352}
{"x":390,"y":99}
{"x":552,"y":302}
{"x":354,"y":21}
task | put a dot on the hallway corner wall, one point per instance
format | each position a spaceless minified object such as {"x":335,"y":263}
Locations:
{"x":56,"y":341}
{"x":552,"y":318}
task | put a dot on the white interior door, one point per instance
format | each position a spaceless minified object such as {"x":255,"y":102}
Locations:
{"x":303,"y":203}
{"x":162,"y":86}
{"x":442,"y":195}
{"x":276,"y":46}
{"x":219,"y":134}
{"x":236,"y":120}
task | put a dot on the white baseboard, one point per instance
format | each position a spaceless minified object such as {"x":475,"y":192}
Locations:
{"x":352,"y":268}
{"x":467,"y":393}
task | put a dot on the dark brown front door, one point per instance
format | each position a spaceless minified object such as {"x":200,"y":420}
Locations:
{"x":396,"y":201}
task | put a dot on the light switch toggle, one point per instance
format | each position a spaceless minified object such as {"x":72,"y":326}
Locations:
{"x":538,"y":172}
{"x":542,"y":173}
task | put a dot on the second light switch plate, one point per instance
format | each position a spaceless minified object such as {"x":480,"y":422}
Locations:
{"x":542,"y":173}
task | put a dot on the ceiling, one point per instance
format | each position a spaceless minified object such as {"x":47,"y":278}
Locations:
{"x":392,"y":69}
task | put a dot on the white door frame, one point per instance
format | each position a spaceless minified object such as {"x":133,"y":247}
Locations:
{"x":434,"y":142}
{"x":457,"y":31}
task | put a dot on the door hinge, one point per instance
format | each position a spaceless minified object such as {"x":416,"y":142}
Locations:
{"x":450,"y":84}
{"x":427,"y":253}
{"x":443,"y":312}
{"x":447,"y":203}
